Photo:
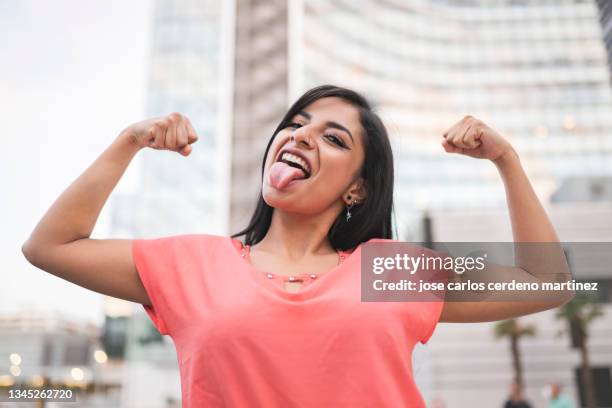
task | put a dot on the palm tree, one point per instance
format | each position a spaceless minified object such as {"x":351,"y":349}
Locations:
{"x":579,"y":314}
{"x":514,"y":331}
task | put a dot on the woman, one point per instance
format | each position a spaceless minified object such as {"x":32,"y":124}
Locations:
{"x":277,"y":320}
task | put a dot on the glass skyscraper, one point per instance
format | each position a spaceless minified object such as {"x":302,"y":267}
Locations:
{"x":605,"y":16}
{"x":536,"y":71}
{"x":190,"y":72}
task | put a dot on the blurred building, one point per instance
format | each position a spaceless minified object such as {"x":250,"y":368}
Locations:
{"x":583,"y":189}
{"x":536,"y":71}
{"x":468,"y":367}
{"x":260,"y":97}
{"x":190,"y":72}
{"x":605,"y":15}
{"x":151,"y":374}
{"x":46,"y":350}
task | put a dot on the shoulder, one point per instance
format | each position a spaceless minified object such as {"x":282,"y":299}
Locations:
{"x":180,"y":251}
{"x":186,"y":238}
{"x":182,"y":242}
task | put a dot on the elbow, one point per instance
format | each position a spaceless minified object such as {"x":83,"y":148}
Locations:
{"x":29,"y":252}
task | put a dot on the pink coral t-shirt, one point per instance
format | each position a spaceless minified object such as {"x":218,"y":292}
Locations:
{"x":242,"y":340}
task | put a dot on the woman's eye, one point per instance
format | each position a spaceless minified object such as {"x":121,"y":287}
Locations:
{"x":335,"y":139}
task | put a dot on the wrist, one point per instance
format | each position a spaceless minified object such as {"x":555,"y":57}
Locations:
{"x":509,"y":156}
{"x":128,"y":140}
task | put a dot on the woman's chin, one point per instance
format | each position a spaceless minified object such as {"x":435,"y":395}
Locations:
{"x":275,"y":198}
{"x":281,"y":199}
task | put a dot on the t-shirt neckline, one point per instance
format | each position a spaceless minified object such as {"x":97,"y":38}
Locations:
{"x":306,"y":291}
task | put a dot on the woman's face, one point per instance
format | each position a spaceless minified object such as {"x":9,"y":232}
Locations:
{"x":328,"y":140}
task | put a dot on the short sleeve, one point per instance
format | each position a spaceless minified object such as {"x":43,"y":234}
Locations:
{"x":433,"y":310}
{"x":156,"y":263}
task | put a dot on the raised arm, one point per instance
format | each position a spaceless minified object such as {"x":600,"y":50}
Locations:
{"x":60,"y":243}
{"x":538,"y":256}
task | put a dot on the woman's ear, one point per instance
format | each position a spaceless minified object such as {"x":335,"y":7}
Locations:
{"x":356,"y":192}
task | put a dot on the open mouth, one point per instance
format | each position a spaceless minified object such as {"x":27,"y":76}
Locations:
{"x":295,"y":161}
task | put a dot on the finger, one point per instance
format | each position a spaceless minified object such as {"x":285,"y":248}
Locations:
{"x":455,"y":133}
{"x":157,"y":132}
{"x":478,"y":132}
{"x":467,"y":139}
{"x":185,"y":150}
{"x":451,"y":130}
{"x":171,"y":134}
{"x":450,"y":148}
{"x":457,"y":138}
{"x":160,"y":132}
{"x":150,"y":137}
{"x":473,"y":135}
{"x":192,"y":136}
{"x":181,"y":134}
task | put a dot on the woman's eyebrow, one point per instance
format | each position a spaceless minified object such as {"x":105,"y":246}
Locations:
{"x":330,"y":124}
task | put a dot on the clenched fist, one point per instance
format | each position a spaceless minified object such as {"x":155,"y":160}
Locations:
{"x":474,"y":138}
{"x":173,"y":132}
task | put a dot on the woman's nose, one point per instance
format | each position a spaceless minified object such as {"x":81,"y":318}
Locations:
{"x":302,"y":135}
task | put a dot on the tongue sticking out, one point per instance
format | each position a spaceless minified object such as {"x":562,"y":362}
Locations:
{"x":282,"y":174}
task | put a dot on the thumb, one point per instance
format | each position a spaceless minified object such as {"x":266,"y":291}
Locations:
{"x":186,"y":150}
{"x":450,"y":148}
{"x":192,"y":138}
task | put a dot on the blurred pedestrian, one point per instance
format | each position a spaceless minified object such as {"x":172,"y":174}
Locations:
{"x":557,"y":400}
{"x":437,"y":402}
{"x":516,"y":399}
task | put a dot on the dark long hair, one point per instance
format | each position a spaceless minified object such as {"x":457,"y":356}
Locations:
{"x":372,"y":217}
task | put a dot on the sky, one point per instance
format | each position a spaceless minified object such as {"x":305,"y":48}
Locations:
{"x":73,"y":74}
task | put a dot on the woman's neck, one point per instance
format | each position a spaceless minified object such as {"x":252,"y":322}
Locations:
{"x":297,"y":235}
